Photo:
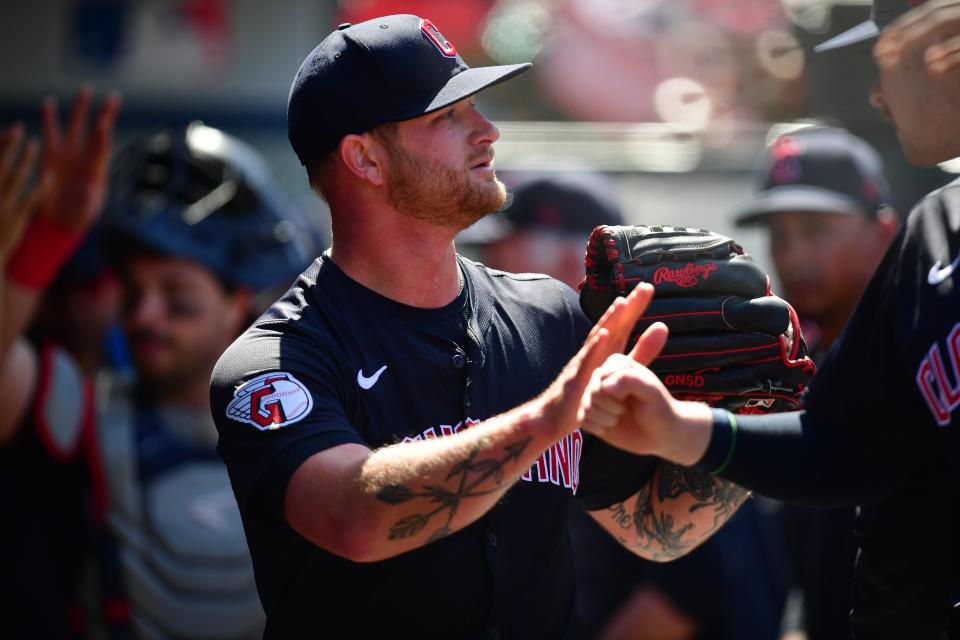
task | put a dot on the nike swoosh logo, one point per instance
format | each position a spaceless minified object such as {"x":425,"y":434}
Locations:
{"x":367,"y":383}
{"x":938,"y":275}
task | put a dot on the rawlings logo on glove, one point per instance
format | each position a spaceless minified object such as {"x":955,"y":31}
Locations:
{"x":687,"y":276}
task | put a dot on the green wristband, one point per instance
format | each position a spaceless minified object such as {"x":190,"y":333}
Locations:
{"x":731,"y":422}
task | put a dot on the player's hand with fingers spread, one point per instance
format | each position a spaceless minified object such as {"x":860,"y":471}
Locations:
{"x":626,"y":405}
{"x":76,"y":161}
{"x":558,"y":405}
{"x":17,"y":200}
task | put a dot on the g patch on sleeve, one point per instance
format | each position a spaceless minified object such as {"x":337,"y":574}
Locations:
{"x":270,"y":401}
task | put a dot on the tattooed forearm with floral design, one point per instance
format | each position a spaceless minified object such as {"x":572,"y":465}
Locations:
{"x":677,"y":510}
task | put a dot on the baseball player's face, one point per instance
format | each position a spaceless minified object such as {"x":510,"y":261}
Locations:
{"x":177,"y":318}
{"x":441,"y":166}
{"x":823,"y":260}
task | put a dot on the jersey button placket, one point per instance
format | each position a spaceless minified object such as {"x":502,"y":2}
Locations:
{"x":459,"y":361}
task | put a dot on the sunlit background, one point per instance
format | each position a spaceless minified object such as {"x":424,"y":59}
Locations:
{"x":673,"y":98}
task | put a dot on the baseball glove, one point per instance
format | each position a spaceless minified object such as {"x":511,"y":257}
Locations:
{"x":733,"y":344}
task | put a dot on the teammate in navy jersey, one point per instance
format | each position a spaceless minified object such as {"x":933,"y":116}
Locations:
{"x":400,"y":427}
{"x":880,"y":426}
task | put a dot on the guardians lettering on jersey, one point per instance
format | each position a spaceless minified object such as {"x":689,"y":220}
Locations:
{"x":940,"y":394}
{"x":559,"y":464}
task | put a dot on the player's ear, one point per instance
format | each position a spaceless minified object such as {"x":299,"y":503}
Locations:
{"x":364,"y":157}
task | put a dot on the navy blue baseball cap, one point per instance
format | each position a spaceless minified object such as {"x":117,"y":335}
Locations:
{"x":882,"y":13}
{"x":383,"y":70}
{"x":819,"y":169}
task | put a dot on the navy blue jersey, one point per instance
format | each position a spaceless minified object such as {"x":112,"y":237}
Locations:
{"x":893,"y":382}
{"x":333,"y":362}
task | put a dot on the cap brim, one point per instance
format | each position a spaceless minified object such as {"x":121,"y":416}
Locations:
{"x":859,"y":33}
{"x":463,"y":85}
{"x":795,"y":198}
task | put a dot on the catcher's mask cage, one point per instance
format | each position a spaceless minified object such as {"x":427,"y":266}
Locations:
{"x":199,"y":193}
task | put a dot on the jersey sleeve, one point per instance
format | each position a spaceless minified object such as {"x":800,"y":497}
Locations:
{"x":609,"y":475}
{"x":276,"y":400}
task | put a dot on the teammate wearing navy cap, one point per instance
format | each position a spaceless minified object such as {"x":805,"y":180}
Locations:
{"x":825,"y":202}
{"x":402,"y":461}
{"x":880,"y":426}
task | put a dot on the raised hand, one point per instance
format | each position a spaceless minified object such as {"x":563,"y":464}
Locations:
{"x":73,"y":179}
{"x":76,"y":163}
{"x":17,"y":201}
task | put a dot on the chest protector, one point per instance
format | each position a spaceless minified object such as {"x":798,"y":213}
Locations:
{"x":180,"y":541}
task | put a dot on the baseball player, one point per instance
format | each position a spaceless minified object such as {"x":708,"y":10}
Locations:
{"x":880,"y":426}
{"x":399,"y":428}
{"x":825,"y":203}
{"x":196,"y":227}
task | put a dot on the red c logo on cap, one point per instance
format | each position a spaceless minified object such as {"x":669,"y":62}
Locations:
{"x":786,"y":153}
{"x":443,"y":45}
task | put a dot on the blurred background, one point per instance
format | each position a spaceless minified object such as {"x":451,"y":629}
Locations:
{"x":672,"y":98}
{"x":671,"y":101}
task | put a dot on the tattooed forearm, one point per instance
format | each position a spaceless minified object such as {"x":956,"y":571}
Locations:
{"x":676,"y":511}
{"x":463,"y":481}
{"x":707,"y":491}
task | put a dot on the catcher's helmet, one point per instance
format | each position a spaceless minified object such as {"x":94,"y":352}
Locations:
{"x":198,"y":193}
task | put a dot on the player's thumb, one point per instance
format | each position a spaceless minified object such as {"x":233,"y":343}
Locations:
{"x":650,"y":343}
